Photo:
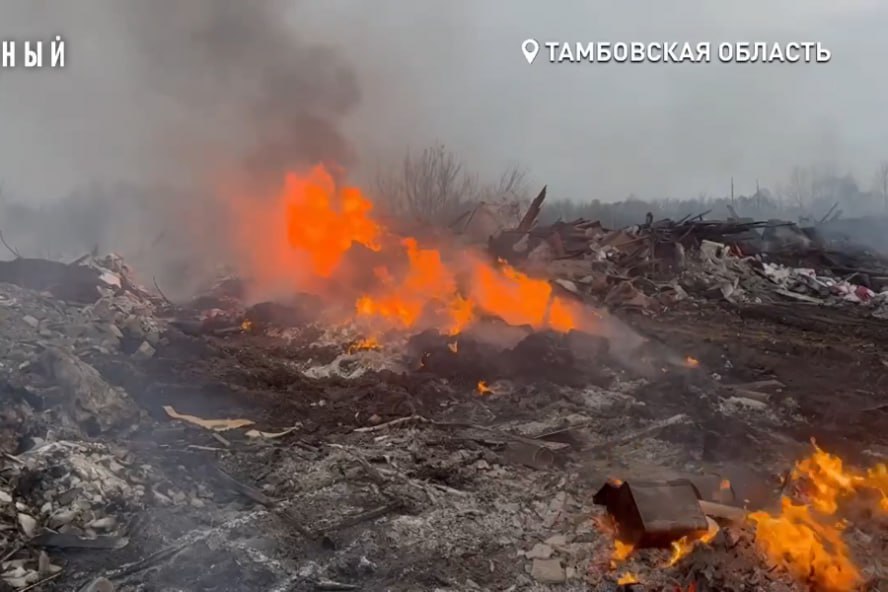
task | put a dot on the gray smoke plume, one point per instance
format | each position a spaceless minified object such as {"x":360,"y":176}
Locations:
{"x":171,"y":101}
{"x":279,"y":98}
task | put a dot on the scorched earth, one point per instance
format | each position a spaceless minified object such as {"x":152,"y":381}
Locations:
{"x":566,"y":407}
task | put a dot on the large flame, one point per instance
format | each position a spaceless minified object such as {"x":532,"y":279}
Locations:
{"x":324,"y":224}
{"x":427,"y":287}
{"x":302,"y":239}
{"x":806,"y":538}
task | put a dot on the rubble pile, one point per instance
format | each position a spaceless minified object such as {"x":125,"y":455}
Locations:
{"x":54,"y":317}
{"x":655,"y":264}
{"x":65,"y":495}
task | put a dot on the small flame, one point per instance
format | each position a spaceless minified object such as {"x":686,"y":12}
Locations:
{"x":454,"y":347}
{"x":368,"y":343}
{"x":247,"y":326}
{"x":483,"y":389}
{"x":683,"y":546}
{"x":627,"y":579}
{"x":691,"y":362}
{"x":621,"y":552}
{"x":724,"y":485}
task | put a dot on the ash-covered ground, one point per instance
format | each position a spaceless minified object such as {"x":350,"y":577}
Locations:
{"x":212,"y":445}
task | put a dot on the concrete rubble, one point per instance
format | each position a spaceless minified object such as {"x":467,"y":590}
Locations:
{"x":54,"y":402}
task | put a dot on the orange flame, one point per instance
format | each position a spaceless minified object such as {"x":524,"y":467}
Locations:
{"x":369,"y":343}
{"x":809,"y":544}
{"x":300,"y":240}
{"x":483,"y":389}
{"x":427,"y":283}
{"x":691,"y":362}
{"x":807,"y":548}
{"x":683,"y":546}
{"x":826,"y":480}
{"x":621,"y":553}
{"x":627,"y":579}
{"x":519,"y":299}
{"x":324,"y":224}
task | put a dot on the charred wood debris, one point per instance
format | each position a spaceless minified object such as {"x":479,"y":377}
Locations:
{"x":76,"y":481}
{"x":652,"y":264}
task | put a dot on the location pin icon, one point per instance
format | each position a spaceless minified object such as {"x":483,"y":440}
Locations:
{"x":531,"y":48}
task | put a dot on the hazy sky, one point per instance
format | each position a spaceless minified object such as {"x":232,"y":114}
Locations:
{"x":453,"y":71}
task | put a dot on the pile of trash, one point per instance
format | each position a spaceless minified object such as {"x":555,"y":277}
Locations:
{"x":92,"y":303}
{"x":652,"y":265}
{"x":57,"y":496}
{"x":56,"y":487}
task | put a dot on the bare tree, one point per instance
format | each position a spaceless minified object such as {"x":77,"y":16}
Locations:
{"x":513,"y":184}
{"x":435,"y":187}
{"x":430,"y":187}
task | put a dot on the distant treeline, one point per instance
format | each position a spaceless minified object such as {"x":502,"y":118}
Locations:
{"x":827,"y":198}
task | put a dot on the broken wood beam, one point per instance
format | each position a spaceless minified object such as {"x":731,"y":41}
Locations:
{"x":532,"y":212}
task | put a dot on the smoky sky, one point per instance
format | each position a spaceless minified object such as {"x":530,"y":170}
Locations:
{"x":175,"y":92}
{"x":281,"y":97}
{"x":172,"y":92}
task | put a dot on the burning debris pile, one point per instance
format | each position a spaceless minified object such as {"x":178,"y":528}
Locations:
{"x":657,"y":263}
{"x":803,"y":537}
{"x":354,"y":409}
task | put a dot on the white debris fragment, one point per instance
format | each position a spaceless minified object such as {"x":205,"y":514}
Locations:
{"x":548,"y":571}
{"x":540,"y":551}
{"x":712,"y":249}
{"x":145,"y":351}
{"x":106,"y":523}
{"x":27,"y":523}
{"x":353,"y":365}
{"x":112,"y":279}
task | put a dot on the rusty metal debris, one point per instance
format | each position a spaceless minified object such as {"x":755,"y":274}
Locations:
{"x":653,"y":514}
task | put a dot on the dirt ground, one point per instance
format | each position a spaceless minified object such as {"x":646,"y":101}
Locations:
{"x":833,"y":362}
{"x":349,"y":501}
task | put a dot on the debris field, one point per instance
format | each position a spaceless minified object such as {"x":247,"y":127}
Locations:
{"x":697,"y":405}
